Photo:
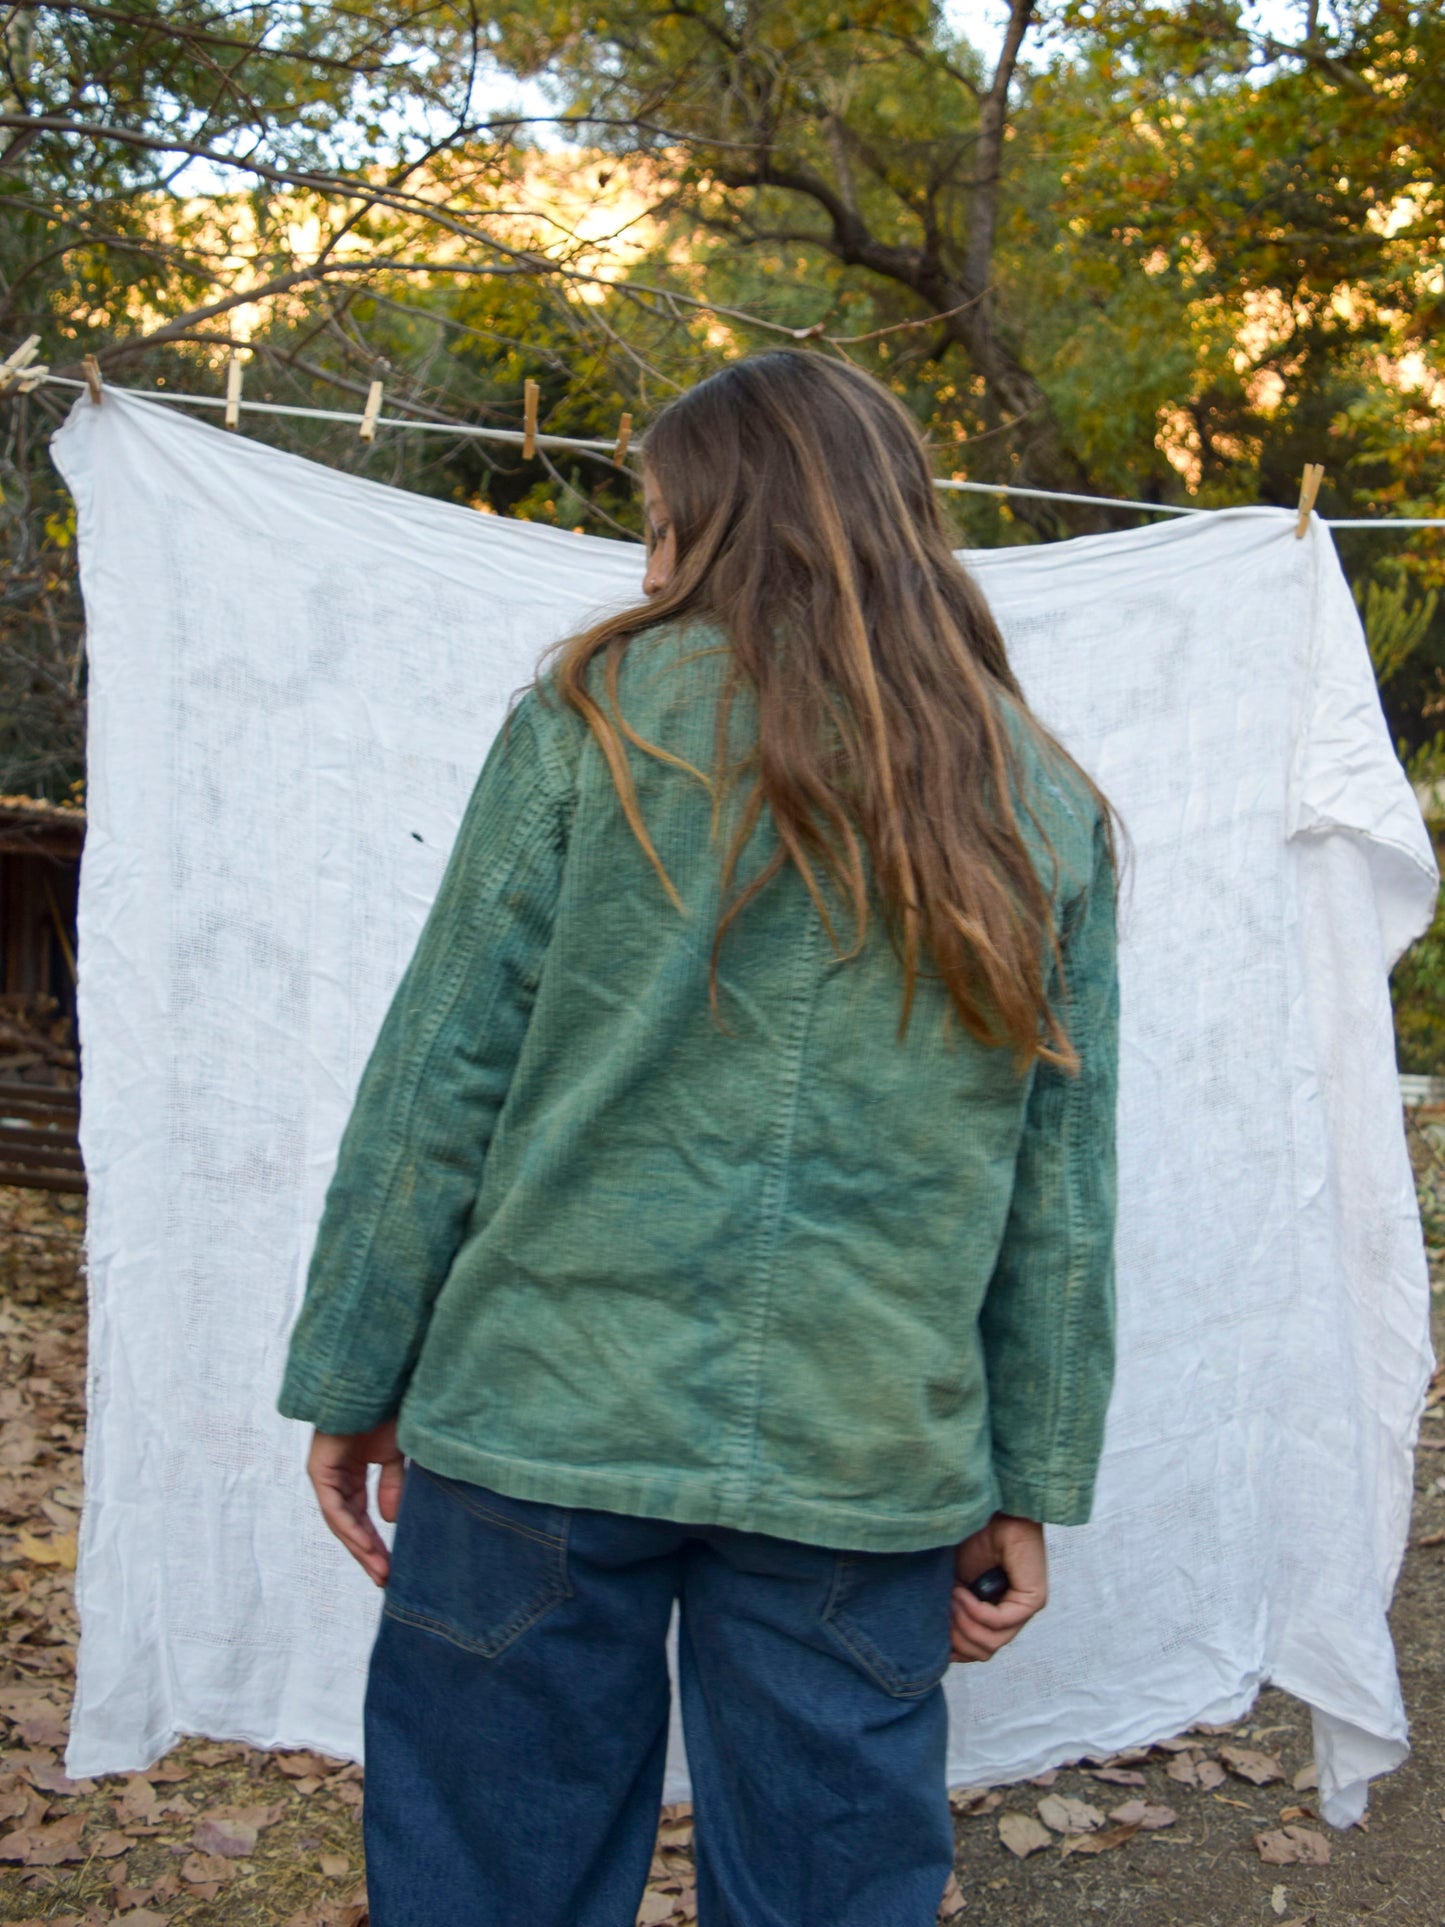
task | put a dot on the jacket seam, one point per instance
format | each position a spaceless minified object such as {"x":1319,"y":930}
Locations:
{"x":740,"y":1450}
{"x":335,"y":1378}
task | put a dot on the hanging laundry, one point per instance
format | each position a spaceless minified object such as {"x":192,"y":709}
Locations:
{"x":295,"y":675}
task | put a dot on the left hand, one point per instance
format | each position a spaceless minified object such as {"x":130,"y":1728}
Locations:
{"x":979,"y":1630}
{"x":337,"y":1467}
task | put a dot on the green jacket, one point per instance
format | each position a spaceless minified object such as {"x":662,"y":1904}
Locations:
{"x":794,"y":1275}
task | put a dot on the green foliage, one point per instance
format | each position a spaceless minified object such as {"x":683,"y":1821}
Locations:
{"x":1204,"y":256}
{"x":1417,"y":984}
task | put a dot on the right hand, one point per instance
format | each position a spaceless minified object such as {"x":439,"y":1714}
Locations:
{"x":979,"y":1630}
{"x":337,"y":1467}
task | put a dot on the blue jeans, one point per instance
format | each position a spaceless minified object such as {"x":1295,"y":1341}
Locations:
{"x":517,"y":1715}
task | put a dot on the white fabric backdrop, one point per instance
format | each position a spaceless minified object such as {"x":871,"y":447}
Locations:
{"x":294,"y":678}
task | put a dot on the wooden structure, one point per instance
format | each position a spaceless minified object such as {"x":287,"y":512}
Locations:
{"x":40,"y":846}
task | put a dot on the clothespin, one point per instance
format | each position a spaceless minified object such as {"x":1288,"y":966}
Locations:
{"x":624,"y":436}
{"x":1309,"y":488}
{"x":32,"y":378}
{"x":530,"y":394}
{"x":233,"y":391}
{"x":367,"y":431}
{"x":90,"y":368}
{"x":13,"y":363}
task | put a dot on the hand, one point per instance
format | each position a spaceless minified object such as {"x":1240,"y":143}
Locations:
{"x":1017,"y":1545}
{"x":337,"y":1466}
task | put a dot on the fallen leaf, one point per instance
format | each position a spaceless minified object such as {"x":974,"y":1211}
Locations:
{"x":655,"y":1908}
{"x":166,"y":1772}
{"x":1183,"y":1769}
{"x":1306,"y":1778}
{"x":1210,"y":1774}
{"x":1022,"y":1834}
{"x":1298,"y":1813}
{"x":206,"y":1869}
{"x":142,"y":1917}
{"x":1258,"y":1768}
{"x":1143,"y":1813}
{"x":1128,"y":1756}
{"x":43,"y":1730}
{"x":231,"y":1831}
{"x":1205,"y":1726}
{"x":136,"y":1802}
{"x":974,"y":1799}
{"x":1176,"y":1746}
{"x":1118,"y":1776}
{"x":57,"y":1550}
{"x":53,"y":1779}
{"x":1046,"y":1778}
{"x":952,"y":1903}
{"x":1099,"y":1842}
{"x":46,"y":1846}
{"x":1278,"y":1900}
{"x":335,"y":1865}
{"x":1430,"y":1539}
{"x":306,"y":1766}
{"x":1064,"y":1815}
{"x":1293,"y":1846}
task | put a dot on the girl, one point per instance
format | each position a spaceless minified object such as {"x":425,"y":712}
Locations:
{"x":726,"y":1213}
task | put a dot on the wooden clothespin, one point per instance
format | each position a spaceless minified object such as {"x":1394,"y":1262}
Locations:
{"x":1309,"y":488}
{"x":233,"y":391}
{"x":31,"y":378}
{"x":13,"y":363}
{"x":624,"y":436}
{"x":90,"y":368}
{"x":530,"y":395}
{"x":367,"y":431}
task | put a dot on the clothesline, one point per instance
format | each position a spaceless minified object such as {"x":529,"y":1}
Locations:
{"x":606,"y":450}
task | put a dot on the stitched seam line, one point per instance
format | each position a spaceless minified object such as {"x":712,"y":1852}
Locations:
{"x":449,"y":1488}
{"x":344,"y":1300}
{"x":740,"y":1452}
{"x":488,"y":1648}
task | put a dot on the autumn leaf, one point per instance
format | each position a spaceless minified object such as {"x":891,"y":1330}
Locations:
{"x":1209,"y":1774}
{"x":952,"y":1903}
{"x":206,"y":1869}
{"x":1143,"y":1813}
{"x":1022,"y":1834}
{"x":1064,"y":1815}
{"x":57,"y":1550}
{"x":974,"y":1799}
{"x":1293,"y":1846}
{"x":1258,"y":1768}
{"x":1118,"y":1776}
{"x":1099,"y":1842}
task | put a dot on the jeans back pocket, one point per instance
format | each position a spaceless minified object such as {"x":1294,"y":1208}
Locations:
{"x":892,"y":1611}
{"x":473,"y":1566}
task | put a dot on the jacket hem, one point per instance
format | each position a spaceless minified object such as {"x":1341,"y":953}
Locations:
{"x":692,"y":1499}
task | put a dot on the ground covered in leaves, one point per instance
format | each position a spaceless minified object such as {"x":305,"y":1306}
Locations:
{"x":1215,"y":1828}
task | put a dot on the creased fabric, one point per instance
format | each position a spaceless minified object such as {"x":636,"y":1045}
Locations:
{"x":295,"y":676}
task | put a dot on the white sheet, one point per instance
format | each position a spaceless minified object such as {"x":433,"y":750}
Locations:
{"x":294,"y":678}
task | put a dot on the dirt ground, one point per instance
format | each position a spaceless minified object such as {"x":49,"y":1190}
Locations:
{"x":225,"y":1836}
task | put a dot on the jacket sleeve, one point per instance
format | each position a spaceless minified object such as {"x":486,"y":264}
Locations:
{"x":410,"y":1161}
{"x":1047,"y":1322}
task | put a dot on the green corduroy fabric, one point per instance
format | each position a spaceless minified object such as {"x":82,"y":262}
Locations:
{"x":791,"y":1274}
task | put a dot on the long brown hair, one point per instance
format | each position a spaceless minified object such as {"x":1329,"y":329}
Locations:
{"x":808,"y":529}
